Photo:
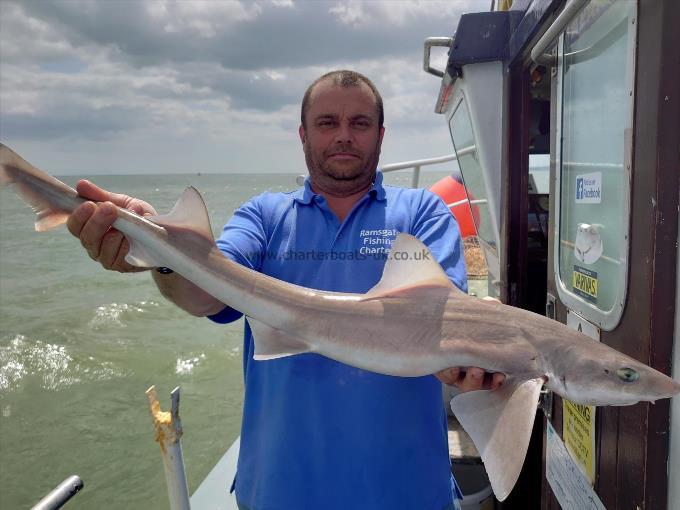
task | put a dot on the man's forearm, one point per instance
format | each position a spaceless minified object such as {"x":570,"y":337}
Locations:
{"x":186,"y":295}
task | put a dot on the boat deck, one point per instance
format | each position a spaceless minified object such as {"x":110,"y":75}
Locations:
{"x":461,"y":447}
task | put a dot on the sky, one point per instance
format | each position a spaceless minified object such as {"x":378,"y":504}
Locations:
{"x":163,"y":86}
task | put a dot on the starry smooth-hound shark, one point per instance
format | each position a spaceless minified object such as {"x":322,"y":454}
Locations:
{"x":414,"y":322}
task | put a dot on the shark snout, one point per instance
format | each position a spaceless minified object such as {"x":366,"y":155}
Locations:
{"x":665,"y":388}
{"x":675,"y":388}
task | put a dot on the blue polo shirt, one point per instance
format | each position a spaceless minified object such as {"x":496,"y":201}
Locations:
{"x":316,"y":433}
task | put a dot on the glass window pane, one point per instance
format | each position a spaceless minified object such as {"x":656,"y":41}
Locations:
{"x":468,"y":160}
{"x":595,"y":118}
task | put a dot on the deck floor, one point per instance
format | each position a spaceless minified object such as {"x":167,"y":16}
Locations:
{"x":461,"y":447}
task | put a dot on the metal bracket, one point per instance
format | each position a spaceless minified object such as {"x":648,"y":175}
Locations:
{"x":545,"y":403}
{"x":550,"y":301}
{"x":429,"y":43}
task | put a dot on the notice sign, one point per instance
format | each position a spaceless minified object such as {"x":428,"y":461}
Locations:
{"x":578,"y":420}
{"x":589,"y":188}
{"x":578,"y":431}
{"x":584,"y":282}
{"x":572,"y":490}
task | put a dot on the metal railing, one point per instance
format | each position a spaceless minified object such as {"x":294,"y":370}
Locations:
{"x":60,"y":495}
{"x":465,"y":201}
{"x":570,"y":11}
{"x":416,"y":165}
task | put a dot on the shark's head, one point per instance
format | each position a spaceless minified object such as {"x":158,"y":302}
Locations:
{"x":601,"y":376}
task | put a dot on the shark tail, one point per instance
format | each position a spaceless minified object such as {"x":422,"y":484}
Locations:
{"x":51,"y":200}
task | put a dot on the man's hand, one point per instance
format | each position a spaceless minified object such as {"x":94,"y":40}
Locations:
{"x":471,"y":378}
{"x":91,"y":223}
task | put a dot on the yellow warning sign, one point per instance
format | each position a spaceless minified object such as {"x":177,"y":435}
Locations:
{"x":578,"y":431}
{"x":585,"y":283}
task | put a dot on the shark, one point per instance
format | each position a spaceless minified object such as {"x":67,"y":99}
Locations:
{"x":413,"y":322}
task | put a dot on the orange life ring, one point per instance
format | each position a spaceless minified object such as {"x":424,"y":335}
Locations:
{"x":450,"y":191}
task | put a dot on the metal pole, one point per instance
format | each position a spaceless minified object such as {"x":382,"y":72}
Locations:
{"x":60,"y":494}
{"x":416,"y":176}
{"x":570,"y":11}
{"x":168,"y":429}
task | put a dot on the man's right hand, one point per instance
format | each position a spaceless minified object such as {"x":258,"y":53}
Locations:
{"x":92,"y":223}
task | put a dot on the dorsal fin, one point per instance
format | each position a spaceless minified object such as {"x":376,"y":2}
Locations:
{"x":189,"y":212}
{"x":410,"y":268}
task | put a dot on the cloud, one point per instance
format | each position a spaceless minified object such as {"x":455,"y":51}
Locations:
{"x":208,"y":70}
{"x":239,"y":35}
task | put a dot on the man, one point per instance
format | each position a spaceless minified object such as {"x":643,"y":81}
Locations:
{"x":317,"y":433}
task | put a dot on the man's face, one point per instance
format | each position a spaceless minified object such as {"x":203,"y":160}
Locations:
{"x":342,"y":138}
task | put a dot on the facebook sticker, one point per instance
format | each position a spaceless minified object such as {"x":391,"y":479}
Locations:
{"x":589,"y":188}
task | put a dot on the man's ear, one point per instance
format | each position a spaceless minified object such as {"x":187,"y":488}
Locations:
{"x":303,"y":136}
{"x":380,"y":137}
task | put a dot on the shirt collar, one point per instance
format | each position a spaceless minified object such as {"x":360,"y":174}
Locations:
{"x":305,"y":195}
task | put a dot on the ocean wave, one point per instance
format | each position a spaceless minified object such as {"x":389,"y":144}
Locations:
{"x":112,"y":314}
{"x":51,"y":365}
{"x":186,"y":366}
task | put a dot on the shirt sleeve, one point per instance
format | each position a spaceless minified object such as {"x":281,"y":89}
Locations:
{"x":244,"y":241}
{"x":438,"y":229}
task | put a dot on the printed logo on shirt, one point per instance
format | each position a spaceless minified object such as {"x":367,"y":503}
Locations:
{"x":377,"y":241}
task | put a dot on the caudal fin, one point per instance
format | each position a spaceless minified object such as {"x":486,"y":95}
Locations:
{"x":51,"y":200}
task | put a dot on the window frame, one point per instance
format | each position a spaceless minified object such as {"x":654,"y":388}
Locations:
{"x":605,"y":319}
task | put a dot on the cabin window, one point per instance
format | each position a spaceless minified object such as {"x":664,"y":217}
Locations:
{"x":595,"y":104}
{"x":473,"y":178}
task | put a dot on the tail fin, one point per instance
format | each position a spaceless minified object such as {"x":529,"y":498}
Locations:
{"x":51,"y":200}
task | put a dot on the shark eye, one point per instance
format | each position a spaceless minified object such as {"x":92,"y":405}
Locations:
{"x":627,"y":374}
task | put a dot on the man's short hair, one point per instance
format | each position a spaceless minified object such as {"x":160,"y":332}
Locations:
{"x":344,"y":78}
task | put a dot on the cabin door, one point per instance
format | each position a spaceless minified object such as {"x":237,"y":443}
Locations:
{"x":612,"y":252}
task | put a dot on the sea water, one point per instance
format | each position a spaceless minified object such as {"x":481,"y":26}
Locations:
{"x":79,"y":346}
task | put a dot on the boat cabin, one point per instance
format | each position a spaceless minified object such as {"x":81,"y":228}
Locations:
{"x":565,"y":120}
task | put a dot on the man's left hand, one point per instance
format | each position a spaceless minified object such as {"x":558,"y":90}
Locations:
{"x":471,"y":378}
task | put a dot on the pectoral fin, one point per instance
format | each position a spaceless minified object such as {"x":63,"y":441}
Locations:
{"x":271,"y":343}
{"x":139,"y":256}
{"x":499,"y":423}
